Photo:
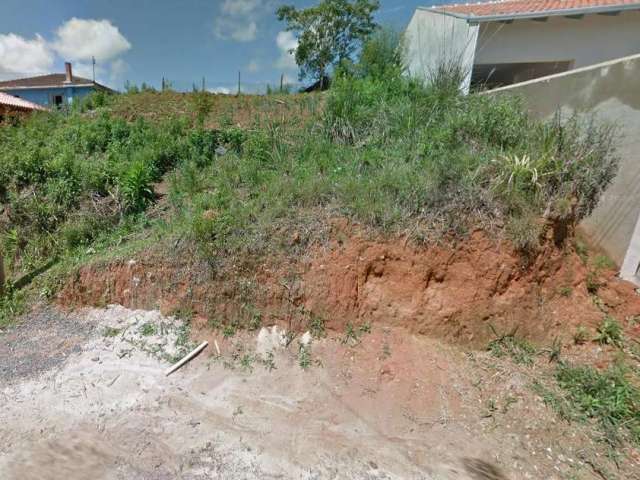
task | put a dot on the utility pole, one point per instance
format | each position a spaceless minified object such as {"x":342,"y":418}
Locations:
{"x":281,"y":82}
{"x":203,"y":87}
{"x":238,"y":82}
{"x":93,"y":63}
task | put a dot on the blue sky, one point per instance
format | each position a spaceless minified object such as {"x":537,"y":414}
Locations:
{"x":144,"y":40}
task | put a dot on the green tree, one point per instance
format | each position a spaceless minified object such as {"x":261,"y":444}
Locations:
{"x":328,"y":32}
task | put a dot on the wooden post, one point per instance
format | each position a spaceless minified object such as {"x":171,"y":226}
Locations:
{"x":281,"y":82}
{"x":203,"y":87}
{"x":238,"y":82}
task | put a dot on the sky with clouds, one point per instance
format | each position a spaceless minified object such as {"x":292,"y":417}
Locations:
{"x":145,"y":40}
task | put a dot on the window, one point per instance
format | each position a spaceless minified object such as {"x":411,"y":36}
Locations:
{"x":57,"y":100}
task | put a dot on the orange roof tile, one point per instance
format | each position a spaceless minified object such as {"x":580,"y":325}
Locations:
{"x":533,"y":7}
{"x":18,"y":103}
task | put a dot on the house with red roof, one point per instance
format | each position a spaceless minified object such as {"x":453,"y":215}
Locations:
{"x":504,"y":42}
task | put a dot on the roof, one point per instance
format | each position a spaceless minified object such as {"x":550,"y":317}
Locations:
{"x":18,"y":103}
{"x":53,"y":80}
{"x":512,"y":9}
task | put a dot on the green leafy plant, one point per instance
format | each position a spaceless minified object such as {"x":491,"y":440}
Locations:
{"x":610,"y":332}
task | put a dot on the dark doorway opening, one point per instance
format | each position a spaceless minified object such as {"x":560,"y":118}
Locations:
{"x":501,"y":74}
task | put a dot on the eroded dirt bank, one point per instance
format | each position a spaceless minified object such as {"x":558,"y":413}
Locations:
{"x":466,"y":292}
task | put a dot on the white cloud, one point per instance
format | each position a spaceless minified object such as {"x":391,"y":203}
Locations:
{"x":85,"y":70}
{"x":224,"y":90}
{"x":253,"y":66}
{"x":287,"y":43}
{"x":22,"y":57}
{"x":80,"y":39}
{"x":118,"y":68}
{"x":238,"y":19}
{"x":240,"y":7}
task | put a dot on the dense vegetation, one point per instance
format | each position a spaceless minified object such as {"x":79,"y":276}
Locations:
{"x":384,"y":150}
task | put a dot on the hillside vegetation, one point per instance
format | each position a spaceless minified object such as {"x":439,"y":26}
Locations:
{"x":379,"y":148}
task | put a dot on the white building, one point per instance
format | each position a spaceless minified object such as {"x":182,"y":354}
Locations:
{"x":510,"y":41}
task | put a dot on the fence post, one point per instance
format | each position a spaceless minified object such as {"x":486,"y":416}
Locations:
{"x":238,"y":82}
{"x":281,"y":82}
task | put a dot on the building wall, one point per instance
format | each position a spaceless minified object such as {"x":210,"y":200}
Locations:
{"x":611,"y":91}
{"x":587,"y":41}
{"x":42,"y":95}
{"x":433,"y":39}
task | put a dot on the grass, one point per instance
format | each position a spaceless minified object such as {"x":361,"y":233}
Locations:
{"x":610,"y":332}
{"x":514,"y":347}
{"x":148,"y":329}
{"x":609,"y":397}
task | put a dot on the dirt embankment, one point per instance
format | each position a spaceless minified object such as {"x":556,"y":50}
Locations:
{"x":465,"y":292}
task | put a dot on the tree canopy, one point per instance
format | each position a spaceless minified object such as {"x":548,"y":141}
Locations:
{"x":328,"y":32}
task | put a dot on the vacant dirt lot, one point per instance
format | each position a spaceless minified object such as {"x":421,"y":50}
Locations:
{"x":372,"y":405}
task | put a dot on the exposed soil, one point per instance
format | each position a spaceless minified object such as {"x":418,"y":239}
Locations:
{"x":466,"y":292}
{"x":387,"y":405}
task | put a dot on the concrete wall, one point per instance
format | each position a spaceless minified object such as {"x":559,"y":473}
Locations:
{"x":611,"y":91}
{"x":433,"y":39}
{"x":586,"y":41}
{"x":42,"y":95}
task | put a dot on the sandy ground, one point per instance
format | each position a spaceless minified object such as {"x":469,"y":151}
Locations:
{"x":384,"y":405}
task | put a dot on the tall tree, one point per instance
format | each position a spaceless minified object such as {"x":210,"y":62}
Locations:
{"x":328,"y":32}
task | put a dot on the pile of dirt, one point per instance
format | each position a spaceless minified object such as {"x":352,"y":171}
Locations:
{"x":466,"y":292}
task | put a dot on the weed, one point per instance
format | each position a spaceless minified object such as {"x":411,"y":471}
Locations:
{"x":592,"y":282}
{"x":148,"y":329}
{"x":581,"y":335}
{"x":582,"y":251}
{"x":304,"y":356}
{"x":269,"y":361}
{"x":229,"y":330}
{"x":518,"y":349}
{"x":610,"y":332}
{"x":565,"y":291}
{"x":555,"y":350}
{"x":602,"y":262}
{"x":214,"y":323}
{"x":316,"y":326}
{"x":246,"y":362}
{"x":111,"y":332}
{"x":12,"y":304}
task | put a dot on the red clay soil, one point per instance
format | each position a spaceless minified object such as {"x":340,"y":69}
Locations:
{"x":465,"y":292}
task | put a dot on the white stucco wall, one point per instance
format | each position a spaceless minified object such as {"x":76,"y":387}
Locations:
{"x":611,"y":92}
{"x":587,"y":41}
{"x":433,"y":39}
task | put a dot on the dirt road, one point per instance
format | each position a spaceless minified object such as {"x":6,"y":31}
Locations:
{"x":379,"y":405}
